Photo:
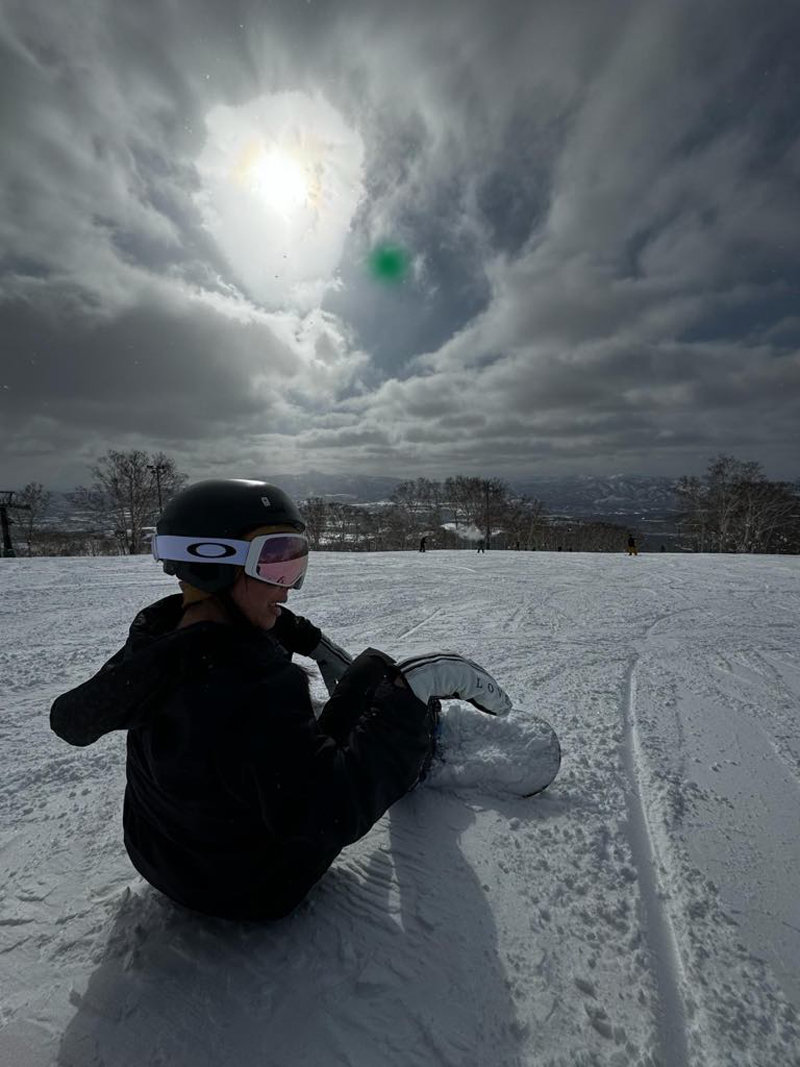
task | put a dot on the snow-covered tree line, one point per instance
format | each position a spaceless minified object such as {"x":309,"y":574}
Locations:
{"x":459,"y":512}
{"x":735,"y":508}
{"x":732,"y":508}
{"x":115,"y":513}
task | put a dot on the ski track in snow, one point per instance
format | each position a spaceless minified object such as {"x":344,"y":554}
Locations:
{"x":418,"y":626}
{"x":643,"y":912}
{"x":672,"y":1027}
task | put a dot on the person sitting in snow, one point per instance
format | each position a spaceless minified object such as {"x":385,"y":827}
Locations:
{"x":238,"y":798}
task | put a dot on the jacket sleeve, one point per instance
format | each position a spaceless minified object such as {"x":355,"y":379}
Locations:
{"x":297,"y":634}
{"x":319,"y":792}
{"x":81,"y":715}
{"x":117,"y":697}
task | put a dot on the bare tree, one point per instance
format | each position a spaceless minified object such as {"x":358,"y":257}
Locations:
{"x":735,"y":508}
{"x":768,"y":518}
{"x":37,"y":499}
{"x":480,"y":502}
{"x":404,"y":521}
{"x":315,"y":513}
{"x":522,"y":521}
{"x":394,"y":526}
{"x":124,"y":493}
{"x":483,"y":503}
{"x":726,"y":480}
{"x":694,"y":519}
{"x":465,"y":497}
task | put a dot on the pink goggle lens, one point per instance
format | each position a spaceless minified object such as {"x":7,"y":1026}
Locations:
{"x":283,"y":560}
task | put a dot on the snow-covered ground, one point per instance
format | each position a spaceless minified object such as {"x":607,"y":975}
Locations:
{"x":645,"y":910}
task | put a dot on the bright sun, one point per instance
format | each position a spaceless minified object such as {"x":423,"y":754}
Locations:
{"x":276,"y":177}
{"x":280,"y":182}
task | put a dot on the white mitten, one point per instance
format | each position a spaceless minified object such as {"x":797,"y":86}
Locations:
{"x":332,"y":661}
{"x":446,"y":675}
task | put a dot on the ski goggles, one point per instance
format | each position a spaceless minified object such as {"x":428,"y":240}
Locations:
{"x":277,"y":559}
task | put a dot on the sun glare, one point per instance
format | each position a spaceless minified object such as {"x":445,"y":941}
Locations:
{"x":281,"y":179}
{"x":278,"y":179}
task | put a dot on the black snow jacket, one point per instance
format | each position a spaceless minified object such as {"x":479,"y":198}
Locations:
{"x":238,"y":799}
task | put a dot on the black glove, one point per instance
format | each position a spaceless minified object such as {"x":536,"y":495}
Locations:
{"x":447,"y":675}
{"x":355,"y":693}
{"x":366,"y":672}
{"x":297,"y":634}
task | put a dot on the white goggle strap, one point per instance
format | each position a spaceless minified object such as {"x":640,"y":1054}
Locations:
{"x":201,"y":550}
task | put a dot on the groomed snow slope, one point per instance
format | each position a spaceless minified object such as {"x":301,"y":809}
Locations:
{"x":645,"y":910}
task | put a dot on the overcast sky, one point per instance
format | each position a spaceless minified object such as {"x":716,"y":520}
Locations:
{"x":598,"y":202}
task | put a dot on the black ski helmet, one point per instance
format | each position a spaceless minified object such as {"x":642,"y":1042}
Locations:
{"x":229,"y":507}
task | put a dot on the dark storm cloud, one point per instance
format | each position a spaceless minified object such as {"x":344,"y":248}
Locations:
{"x":125,"y":374}
{"x":599,"y":201}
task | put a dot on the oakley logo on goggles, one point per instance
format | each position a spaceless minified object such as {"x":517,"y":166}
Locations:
{"x":278,"y":559}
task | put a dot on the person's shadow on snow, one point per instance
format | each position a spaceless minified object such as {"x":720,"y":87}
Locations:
{"x":393,"y":959}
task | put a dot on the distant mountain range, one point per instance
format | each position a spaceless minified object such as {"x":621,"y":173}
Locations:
{"x":589,"y":495}
{"x":347,"y":488}
{"x":646,"y":504}
{"x":566,"y":495}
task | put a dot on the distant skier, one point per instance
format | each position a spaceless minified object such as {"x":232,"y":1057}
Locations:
{"x":632,"y":550}
{"x":238,"y":799}
{"x":422,"y":542}
{"x":482,"y":546}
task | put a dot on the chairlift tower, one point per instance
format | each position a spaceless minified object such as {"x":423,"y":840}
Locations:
{"x":157,"y":469}
{"x":7,"y":502}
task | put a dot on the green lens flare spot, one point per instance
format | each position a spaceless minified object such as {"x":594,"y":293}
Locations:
{"x":389,"y":263}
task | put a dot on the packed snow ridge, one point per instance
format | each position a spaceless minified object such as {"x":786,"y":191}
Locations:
{"x":645,"y":910}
